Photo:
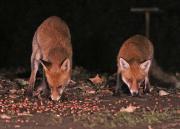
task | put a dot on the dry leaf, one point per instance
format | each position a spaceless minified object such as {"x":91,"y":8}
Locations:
{"x":1,"y":86}
{"x":72,"y":82}
{"x":22,"y":81}
{"x":149,"y":127}
{"x":130,"y":108}
{"x":24,"y":114}
{"x":13,"y":96}
{"x":151,"y":89}
{"x":163,"y":93}
{"x":97,"y":79}
{"x":17,"y":126}
{"x":3,"y":91}
{"x":89,"y":90}
{"x":13,"y":91}
{"x":178,"y":111}
{"x":4,"y":116}
{"x":106,"y":92}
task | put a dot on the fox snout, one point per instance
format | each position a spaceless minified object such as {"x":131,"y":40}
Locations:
{"x":56,"y":93}
{"x":134,"y":92}
{"x":55,"y":98}
{"x":134,"y":89}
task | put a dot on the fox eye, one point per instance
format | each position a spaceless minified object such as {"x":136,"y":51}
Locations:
{"x":46,"y":63}
{"x":140,"y":82}
{"x":129,"y":80}
{"x":59,"y":87}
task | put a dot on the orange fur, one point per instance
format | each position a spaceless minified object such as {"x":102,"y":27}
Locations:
{"x":133,"y":62}
{"x":52,"y":48}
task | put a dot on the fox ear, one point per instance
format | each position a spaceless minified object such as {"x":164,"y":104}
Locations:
{"x":146,"y":65}
{"x":45,"y":64}
{"x":123,"y":64}
{"x":66,"y":65}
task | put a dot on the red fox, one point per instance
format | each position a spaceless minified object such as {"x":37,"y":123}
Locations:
{"x":51,"y":47}
{"x":135,"y":62}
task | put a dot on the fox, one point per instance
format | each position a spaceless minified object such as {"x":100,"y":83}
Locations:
{"x":51,"y":47}
{"x":135,"y":63}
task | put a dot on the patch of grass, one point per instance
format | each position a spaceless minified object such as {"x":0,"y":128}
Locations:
{"x":156,"y":117}
{"x":146,"y":117}
{"x":97,"y":119}
{"x":108,"y":120}
{"x":56,"y":119}
{"x":127,"y":118}
{"x":47,"y":119}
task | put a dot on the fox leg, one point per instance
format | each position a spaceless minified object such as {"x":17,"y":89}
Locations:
{"x":45,"y":89}
{"x":42,"y":90}
{"x":146,"y":85}
{"x":118,"y":85}
{"x":34,"y":68}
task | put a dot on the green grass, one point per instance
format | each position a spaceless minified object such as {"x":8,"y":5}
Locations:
{"x":107,"y":120}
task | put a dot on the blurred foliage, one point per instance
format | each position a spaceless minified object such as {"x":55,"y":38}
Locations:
{"x":98,"y":29}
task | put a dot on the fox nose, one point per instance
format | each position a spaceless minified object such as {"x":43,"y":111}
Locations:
{"x":55,"y":98}
{"x":134,"y":93}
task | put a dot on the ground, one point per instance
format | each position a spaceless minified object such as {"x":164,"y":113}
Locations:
{"x":88,"y":102}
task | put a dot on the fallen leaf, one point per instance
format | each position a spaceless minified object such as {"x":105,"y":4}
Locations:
{"x":130,"y":108}
{"x":72,"y":82}
{"x":89,"y":90}
{"x":13,"y":91}
{"x":17,"y":126}
{"x":163,"y":93}
{"x":106,"y":92}
{"x":4,"y":116}
{"x":24,"y":114}
{"x":151,"y":89}
{"x":4,"y":91}
{"x":22,"y":81}
{"x":178,"y":111}
{"x":13,"y":96}
{"x":97,"y":79}
{"x":149,"y":127}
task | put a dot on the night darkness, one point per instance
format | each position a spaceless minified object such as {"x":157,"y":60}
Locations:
{"x":98,"y":28}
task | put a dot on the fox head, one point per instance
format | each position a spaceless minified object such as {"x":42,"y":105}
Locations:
{"x":134,"y":75}
{"x":57,"y":75}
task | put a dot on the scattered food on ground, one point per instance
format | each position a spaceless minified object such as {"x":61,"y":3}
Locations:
{"x":86,"y":103}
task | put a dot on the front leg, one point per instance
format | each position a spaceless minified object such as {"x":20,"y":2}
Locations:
{"x":118,"y":85}
{"x":42,"y":89}
{"x":146,"y":88}
{"x":46,"y":90}
{"x":34,"y":69}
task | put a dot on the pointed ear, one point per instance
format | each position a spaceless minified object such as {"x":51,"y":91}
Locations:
{"x":146,"y":65}
{"x":46,"y":65}
{"x":66,"y":65}
{"x":123,"y":64}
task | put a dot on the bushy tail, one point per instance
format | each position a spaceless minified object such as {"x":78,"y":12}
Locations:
{"x":157,"y":73}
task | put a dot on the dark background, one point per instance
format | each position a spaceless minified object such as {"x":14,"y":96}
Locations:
{"x":98,"y":29}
